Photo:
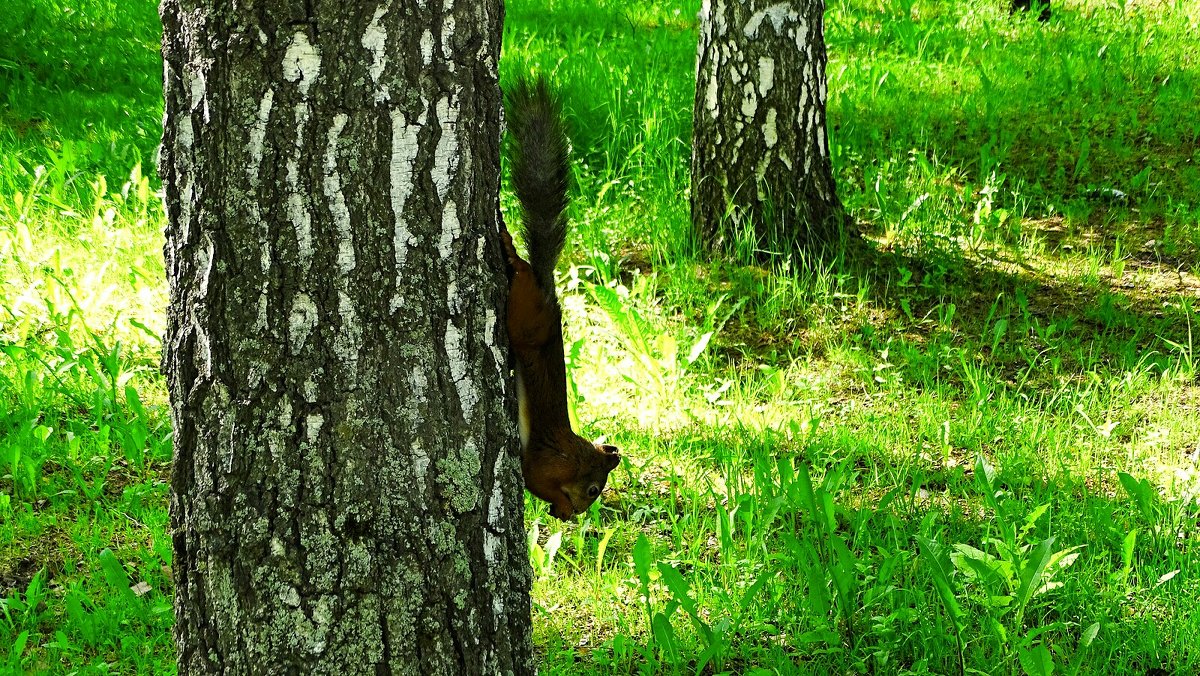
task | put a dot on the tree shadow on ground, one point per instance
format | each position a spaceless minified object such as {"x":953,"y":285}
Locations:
{"x":1003,"y":309}
{"x":1147,"y":303}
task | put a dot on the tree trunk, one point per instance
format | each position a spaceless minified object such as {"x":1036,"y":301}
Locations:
{"x":1026,"y":5}
{"x":346,"y":491}
{"x":762,"y":179}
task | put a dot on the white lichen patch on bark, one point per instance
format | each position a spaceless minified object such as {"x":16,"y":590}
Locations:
{"x":298,"y":214}
{"x":418,"y":384}
{"x":491,"y":546}
{"x":447,"y":35}
{"x":204,"y":261}
{"x":446,"y":158}
{"x":766,"y":74}
{"x":301,"y":65}
{"x":301,"y":62}
{"x":710,"y":96}
{"x":495,"y":513}
{"x":332,"y":184}
{"x":498,"y":605}
{"x":821,"y":136}
{"x":312,"y":630}
{"x":781,"y":14}
{"x":184,"y":134}
{"x":301,"y":321}
{"x":451,"y":229}
{"x":718,"y":22}
{"x":457,"y":356}
{"x":284,"y":417}
{"x":490,"y":324}
{"x":749,"y":101}
{"x":194,"y":80}
{"x":187,"y":193}
{"x":310,"y":389}
{"x":812,"y":123}
{"x":264,"y":266}
{"x":427,"y":47}
{"x":420,"y":466}
{"x":374,"y":40}
{"x":312,"y":426}
{"x":445,"y":155}
{"x":348,"y":342}
{"x":405,"y":144}
{"x":496,"y":502}
{"x":260,"y":317}
{"x":203,"y":348}
{"x":255,"y":375}
{"x":258,"y":133}
{"x":770,"y":133}
{"x":802,"y":43}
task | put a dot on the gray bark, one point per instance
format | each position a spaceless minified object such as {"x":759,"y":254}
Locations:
{"x":761,"y":171}
{"x":346,"y":491}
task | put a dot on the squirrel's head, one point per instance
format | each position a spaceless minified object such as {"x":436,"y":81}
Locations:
{"x":595,"y":460}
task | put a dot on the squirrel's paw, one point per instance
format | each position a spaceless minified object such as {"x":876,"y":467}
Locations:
{"x":509,"y":249}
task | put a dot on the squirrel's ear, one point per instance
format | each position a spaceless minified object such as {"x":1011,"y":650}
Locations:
{"x":606,"y":448}
{"x":612,"y":459}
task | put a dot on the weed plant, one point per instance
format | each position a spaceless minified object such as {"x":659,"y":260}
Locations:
{"x":967,"y":445}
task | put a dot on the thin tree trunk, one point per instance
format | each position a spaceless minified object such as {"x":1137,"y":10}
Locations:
{"x":762,"y":179}
{"x":346,"y":491}
{"x":1026,"y":5}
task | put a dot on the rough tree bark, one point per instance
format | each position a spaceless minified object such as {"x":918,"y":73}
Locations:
{"x":761,"y":172}
{"x":346,"y":492}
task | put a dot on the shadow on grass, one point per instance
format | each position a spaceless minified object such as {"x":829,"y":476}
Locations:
{"x":996,"y":311}
{"x":1128,"y":318}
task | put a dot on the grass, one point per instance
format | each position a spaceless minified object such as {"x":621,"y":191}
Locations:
{"x":970,"y":444}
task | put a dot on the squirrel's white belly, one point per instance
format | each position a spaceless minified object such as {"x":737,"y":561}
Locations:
{"x":522,"y":411}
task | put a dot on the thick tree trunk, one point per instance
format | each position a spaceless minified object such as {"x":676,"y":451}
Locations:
{"x":346,"y":493}
{"x":761,"y":172}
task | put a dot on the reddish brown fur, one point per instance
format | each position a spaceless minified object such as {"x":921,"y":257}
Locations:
{"x":559,"y":466}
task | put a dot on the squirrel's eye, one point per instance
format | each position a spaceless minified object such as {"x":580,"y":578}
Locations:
{"x":593,"y":491}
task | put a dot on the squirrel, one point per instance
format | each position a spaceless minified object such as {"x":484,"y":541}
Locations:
{"x":558,"y":465}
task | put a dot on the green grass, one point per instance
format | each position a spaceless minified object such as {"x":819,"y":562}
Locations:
{"x":971,"y":443}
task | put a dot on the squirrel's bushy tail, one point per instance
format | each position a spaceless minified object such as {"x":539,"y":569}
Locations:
{"x":540,"y":173}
